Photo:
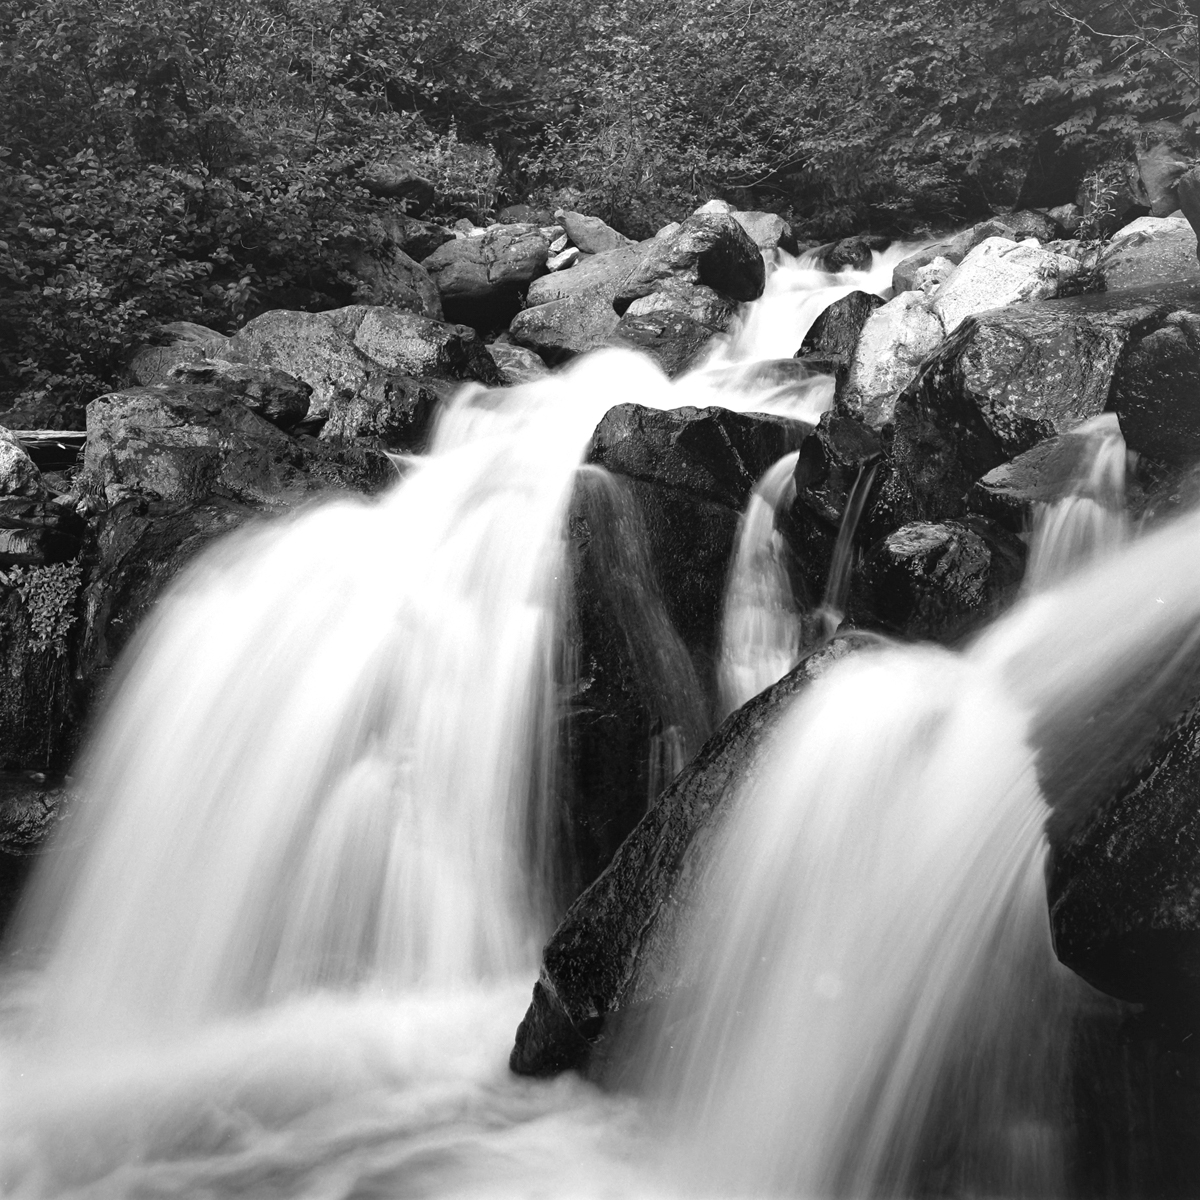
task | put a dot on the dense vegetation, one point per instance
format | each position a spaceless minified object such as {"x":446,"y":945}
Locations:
{"x":201,"y":159}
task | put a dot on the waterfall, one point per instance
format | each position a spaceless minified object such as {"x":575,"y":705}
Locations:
{"x":760,"y":629}
{"x":1088,"y":519}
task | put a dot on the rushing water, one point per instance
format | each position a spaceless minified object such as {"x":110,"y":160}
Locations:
{"x":286,"y":944}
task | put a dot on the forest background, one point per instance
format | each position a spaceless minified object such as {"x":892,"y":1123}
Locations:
{"x":204,"y":159}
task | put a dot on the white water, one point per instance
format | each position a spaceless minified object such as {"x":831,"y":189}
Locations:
{"x":761,"y":627}
{"x":1089,"y":520}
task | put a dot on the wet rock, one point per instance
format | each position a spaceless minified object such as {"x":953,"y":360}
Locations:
{"x":836,"y":332}
{"x":182,"y":342}
{"x":389,"y":276}
{"x":275,"y":395}
{"x":852,"y":252}
{"x":674,"y":340}
{"x":999,"y":272}
{"x":516,"y":364}
{"x":18,"y":474}
{"x":591,"y":234}
{"x":710,"y":249}
{"x":1151,"y":250}
{"x":939,"y":580}
{"x":1124,"y":905}
{"x":186,"y":444}
{"x":616,"y":949}
{"x":894,"y":342}
{"x":691,"y":472}
{"x":1009,"y":492}
{"x":30,"y":808}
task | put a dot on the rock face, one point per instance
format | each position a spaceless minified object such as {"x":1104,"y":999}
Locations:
{"x":710,"y":249}
{"x":613,"y":951}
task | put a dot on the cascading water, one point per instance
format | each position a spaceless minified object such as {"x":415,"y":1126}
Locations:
{"x":1089,"y":519}
{"x":761,"y":629}
{"x":293,"y":928}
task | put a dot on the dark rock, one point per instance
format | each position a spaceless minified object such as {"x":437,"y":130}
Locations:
{"x":591,"y":234}
{"x":691,"y":472}
{"x":393,"y":412}
{"x":1124,"y":902}
{"x":852,"y":253}
{"x":673,"y":340}
{"x":30,"y":808}
{"x":275,"y":395}
{"x":708,"y":248}
{"x":691,"y":302}
{"x":939,"y":581}
{"x":1160,"y":169}
{"x":615,"y":948}
{"x":394,"y":179}
{"x":835,"y":333}
{"x":1154,"y":390}
{"x":1009,"y":492}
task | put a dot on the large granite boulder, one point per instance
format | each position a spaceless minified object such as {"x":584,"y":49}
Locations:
{"x":675,"y":340}
{"x":516,"y":364}
{"x":615,"y":951}
{"x":768,"y":230}
{"x":178,"y":342}
{"x":484,"y":276}
{"x":591,"y":234}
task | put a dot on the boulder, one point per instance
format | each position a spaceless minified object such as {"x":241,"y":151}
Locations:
{"x":1154,"y":389}
{"x":767,"y":230}
{"x":894,"y":341}
{"x":565,"y":258}
{"x":591,"y":234}
{"x":275,"y":395}
{"x":516,"y":364}
{"x":852,"y":253}
{"x":601,"y":274}
{"x":997,"y":272}
{"x":674,"y":340}
{"x":940,"y":581}
{"x":1151,"y":250}
{"x":18,"y":475}
{"x":181,"y":342}
{"x":338,"y":353}
{"x":836,"y":332}
{"x":392,"y":412}
{"x":1160,"y":169}
{"x":493,"y":267}
{"x":710,"y":248}
{"x":395,"y":179}
{"x":615,"y":950}
{"x":389,"y":276}
{"x":932,"y":275}
{"x":185,"y":444}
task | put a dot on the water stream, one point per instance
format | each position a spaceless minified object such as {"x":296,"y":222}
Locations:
{"x":284,"y":946}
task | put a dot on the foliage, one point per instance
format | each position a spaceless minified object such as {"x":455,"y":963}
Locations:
{"x":198,"y":159}
{"x":48,"y":594}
